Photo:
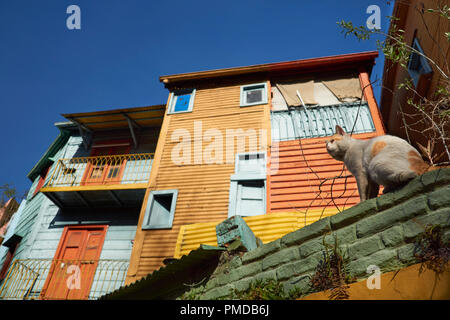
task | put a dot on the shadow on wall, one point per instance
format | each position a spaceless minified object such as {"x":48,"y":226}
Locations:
{"x":109,"y":216}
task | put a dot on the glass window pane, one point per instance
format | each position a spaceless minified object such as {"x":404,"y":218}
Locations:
{"x":182,"y":103}
{"x":254,"y":96}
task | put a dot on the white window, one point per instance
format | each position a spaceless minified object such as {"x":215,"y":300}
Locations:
{"x":251,"y":197}
{"x":252,"y":162}
{"x":182,"y":101}
{"x":248,"y":185}
{"x":254,"y":94}
{"x":160,"y":209}
{"x":418,"y":65}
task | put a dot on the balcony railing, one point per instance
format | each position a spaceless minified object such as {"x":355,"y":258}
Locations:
{"x":101,"y":170}
{"x":38,"y":279}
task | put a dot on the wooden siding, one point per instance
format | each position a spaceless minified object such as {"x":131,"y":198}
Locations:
{"x":203,"y":189}
{"x":41,"y":222}
{"x":32,"y":218}
{"x":298,"y":167}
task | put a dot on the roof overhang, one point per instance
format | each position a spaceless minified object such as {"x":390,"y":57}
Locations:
{"x":354,"y":59}
{"x":140,"y":117}
{"x":176,"y":277}
{"x":64,"y":134}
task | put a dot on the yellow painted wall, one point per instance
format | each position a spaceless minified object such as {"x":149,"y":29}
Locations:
{"x":407,"y":284}
{"x":281,"y":223}
{"x":203,"y":189}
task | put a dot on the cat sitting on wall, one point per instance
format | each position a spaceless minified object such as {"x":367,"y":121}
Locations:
{"x":385,"y":160}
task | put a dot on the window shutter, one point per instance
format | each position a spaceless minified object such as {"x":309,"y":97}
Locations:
{"x":250,"y":200}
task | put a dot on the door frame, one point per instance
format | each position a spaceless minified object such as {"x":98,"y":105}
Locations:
{"x":111,"y":144}
{"x":59,"y":252}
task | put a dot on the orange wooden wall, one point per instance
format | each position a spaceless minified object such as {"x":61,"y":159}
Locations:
{"x":298,"y":168}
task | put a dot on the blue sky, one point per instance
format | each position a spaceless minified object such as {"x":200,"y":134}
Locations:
{"x":123,"y":47}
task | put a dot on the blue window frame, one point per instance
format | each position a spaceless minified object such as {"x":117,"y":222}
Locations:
{"x":160,"y":209}
{"x":254,"y":94}
{"x":417,"y":65}
{"x":182,"y":101}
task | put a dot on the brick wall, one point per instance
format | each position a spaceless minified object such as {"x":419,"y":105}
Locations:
{"x":379,"y":231}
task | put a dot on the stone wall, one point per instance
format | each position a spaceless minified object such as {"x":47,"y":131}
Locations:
{"x":380,"y":231}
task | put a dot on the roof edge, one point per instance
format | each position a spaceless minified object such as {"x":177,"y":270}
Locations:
{"x":51,"y":151}
{"x":359,"y":57}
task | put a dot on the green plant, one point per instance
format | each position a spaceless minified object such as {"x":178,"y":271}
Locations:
{"x":193,"y":294}
{"x":265,"y":290}
{"x":428,"y":116}
{"x":7,"y":191}
{"x":330,"y":273}
{"x":432,"y":251}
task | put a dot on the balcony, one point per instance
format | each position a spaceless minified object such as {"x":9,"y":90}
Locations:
{"x":45,"y":279}
{"x":101,"y":181}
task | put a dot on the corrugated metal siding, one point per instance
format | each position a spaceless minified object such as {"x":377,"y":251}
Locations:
{"x":193,"y":235}
{"x":39,"y":211}
{"x":41,"y":223}
{"x":203,"y":189}
{"x":298,"y":177}
{"x":320,"y":121}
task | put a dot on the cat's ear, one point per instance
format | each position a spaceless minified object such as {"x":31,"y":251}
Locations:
{"x":340,"y":131}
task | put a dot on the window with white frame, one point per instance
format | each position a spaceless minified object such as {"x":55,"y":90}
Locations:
{"x":160,"y":209}
{"x":248,"y":185}
{"x":418,"y":65}
{"x":182,"y":101}
{"x":251,"y":162}
{"x":253,"y":94}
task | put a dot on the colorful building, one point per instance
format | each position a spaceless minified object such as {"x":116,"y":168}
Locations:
{"x":425,"y":32}
{"x":249,"y":141}
{"x":73,"y":234}
{"x":123,"y":192}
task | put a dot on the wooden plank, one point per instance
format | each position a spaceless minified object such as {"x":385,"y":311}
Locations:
{"x":203,"y":189}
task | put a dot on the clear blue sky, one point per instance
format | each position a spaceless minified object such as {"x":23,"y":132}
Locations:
{"x":115,"y":60}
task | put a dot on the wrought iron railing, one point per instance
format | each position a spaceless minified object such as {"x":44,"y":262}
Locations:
{"x":101,"y":170}
{"x":41,"y":279}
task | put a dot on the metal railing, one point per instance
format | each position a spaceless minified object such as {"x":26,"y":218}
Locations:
{"x":101,"y":170}
{"x":320,"y":121}
{"x":42,"y":279}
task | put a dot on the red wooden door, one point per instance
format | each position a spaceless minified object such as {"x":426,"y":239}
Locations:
{"x":105,"y":170}
{"x":73,"y":268}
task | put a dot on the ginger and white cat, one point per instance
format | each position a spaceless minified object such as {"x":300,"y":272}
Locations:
{"x":384,"y":160}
